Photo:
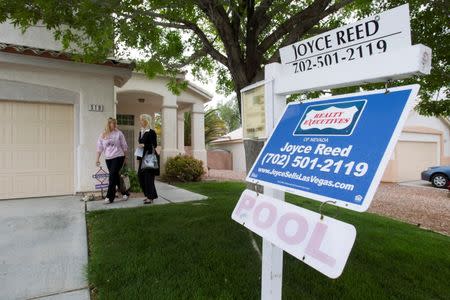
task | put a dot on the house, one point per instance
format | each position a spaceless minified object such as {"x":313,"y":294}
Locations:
{"x":53,"y":109}
{"x":424,"y":142}
{"x":227,"y":152}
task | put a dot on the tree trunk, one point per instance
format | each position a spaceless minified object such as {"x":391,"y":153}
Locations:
{"x":252,"y":149}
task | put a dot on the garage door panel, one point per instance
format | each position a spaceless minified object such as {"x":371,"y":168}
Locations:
{"x":21,"y":111}
{"x":6,"y":186}
{"x":57,"y":183}
{"x":58,"y":113}
{"x":6,"y":158}
{"x":6,"y":133}
{"x":59,"y":161}
{"x":32,"y":134}
{"x":58,"y":134}
{"x":414,"y":157}
{"x":28,"y":161}
{"x":32,"y":182}
{"x":36,"y":154}
{"x":6,"y":112}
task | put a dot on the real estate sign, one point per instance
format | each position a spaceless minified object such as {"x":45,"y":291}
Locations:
{"x":383,"y":33}
{"x":322,"y":243}
{"x":335,"y":148}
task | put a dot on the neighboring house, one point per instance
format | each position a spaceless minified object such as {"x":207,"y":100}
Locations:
{"x":53,"y":109}
{"x":233,"y":154}
{"x":424,"y":142}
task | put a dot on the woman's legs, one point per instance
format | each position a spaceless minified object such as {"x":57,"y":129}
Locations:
{"x":147,"y":183}
{"x":114,"y":165}
{"x":151,"y":189}
{"x":141,"y":177}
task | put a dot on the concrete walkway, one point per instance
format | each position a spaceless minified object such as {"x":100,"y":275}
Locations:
{"x":43,"y":244}
{"x":167,"y":194}
{"x":43,"y":249}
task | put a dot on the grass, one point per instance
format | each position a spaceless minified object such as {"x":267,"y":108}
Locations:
{"x":195,"y":251}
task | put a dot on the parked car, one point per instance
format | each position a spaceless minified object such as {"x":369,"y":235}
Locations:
{"x":438,"y":176}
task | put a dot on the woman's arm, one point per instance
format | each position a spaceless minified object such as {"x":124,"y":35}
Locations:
{"x":99,"y":150}
{"x":97,"y":160}
{"x":153,"y":139}
{"x":123,"y":144}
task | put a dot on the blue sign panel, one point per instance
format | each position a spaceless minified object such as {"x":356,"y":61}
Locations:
{"x":335,"y":148}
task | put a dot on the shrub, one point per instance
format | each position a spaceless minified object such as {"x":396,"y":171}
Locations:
{"x":134,"y":180}
{"x":183,"y":168}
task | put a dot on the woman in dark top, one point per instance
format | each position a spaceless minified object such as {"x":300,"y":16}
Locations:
{"x":147,"y":141}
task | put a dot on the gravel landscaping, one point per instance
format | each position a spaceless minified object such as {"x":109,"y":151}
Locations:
{"x":426,"y":207}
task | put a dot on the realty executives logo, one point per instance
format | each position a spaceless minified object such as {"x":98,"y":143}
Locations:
{"x":338,"y":118}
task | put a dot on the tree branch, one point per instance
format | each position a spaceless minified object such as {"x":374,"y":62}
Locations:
{"x":184,"y":25}
{"x":218,"y":16}
{"x":262,"y":18}
{"x":188,"y":60}
{"x":312,"y":11}
{"x":306,"y":26}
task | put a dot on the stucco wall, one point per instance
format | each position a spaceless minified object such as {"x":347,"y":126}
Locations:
{"x":416,"y":120}
{"x":219,"y":159}
{"x":87,"y":88}
{"x":238,"y":154}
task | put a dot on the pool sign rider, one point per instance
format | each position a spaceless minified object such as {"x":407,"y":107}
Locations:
{"x":102,"y":178}
{"x":333,"y":149}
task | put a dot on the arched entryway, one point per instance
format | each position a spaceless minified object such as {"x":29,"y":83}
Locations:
{"x":151,"y":96}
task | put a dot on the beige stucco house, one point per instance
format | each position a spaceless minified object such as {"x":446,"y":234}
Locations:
{"x":53,"y":109}
{"x":424,"y":142}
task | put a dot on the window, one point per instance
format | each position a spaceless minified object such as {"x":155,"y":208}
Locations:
{"x":125,"y":120}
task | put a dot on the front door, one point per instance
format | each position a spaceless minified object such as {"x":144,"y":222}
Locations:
{"x":126,"y":125}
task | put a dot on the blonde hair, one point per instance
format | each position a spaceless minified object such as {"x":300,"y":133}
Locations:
{"x":147,"y":119}
{"x":107,"y":130}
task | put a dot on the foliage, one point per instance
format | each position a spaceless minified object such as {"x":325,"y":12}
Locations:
{"x":134,"y":180}
{"x":214,"y":126}
{"x":229,"y":112}
{"x":231,"y":39}
{"x":183,"y":168}
{"x":191,"y":251}
{"x":157,"y":128}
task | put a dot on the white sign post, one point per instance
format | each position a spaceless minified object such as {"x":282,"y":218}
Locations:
{"x":376,"y":49}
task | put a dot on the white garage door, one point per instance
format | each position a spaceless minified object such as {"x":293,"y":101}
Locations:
{"x":414,"y":157}
{"x":36,"y":149}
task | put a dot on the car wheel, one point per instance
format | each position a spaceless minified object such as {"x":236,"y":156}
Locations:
{"x":439,"y":181}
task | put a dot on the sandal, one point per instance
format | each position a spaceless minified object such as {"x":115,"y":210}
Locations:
{"x":148,"y":201}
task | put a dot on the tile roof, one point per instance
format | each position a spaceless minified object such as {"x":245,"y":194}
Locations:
{"x":25,"y":50}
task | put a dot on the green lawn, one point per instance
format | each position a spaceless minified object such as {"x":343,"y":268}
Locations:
{"x":192,"y":251}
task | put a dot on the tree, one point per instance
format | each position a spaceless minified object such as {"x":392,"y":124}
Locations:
{"x":228,"y":111}
{"x":214,"y":126}
{"x":231,"y":38}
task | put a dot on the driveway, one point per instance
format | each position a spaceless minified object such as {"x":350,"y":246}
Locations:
{"x":43,"y":249}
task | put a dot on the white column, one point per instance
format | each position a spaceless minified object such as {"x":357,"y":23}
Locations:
{"x":168,"y":129}
{"x":272,"y":256}
{"x":198,"y":133}
{"x":180,"y":132}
